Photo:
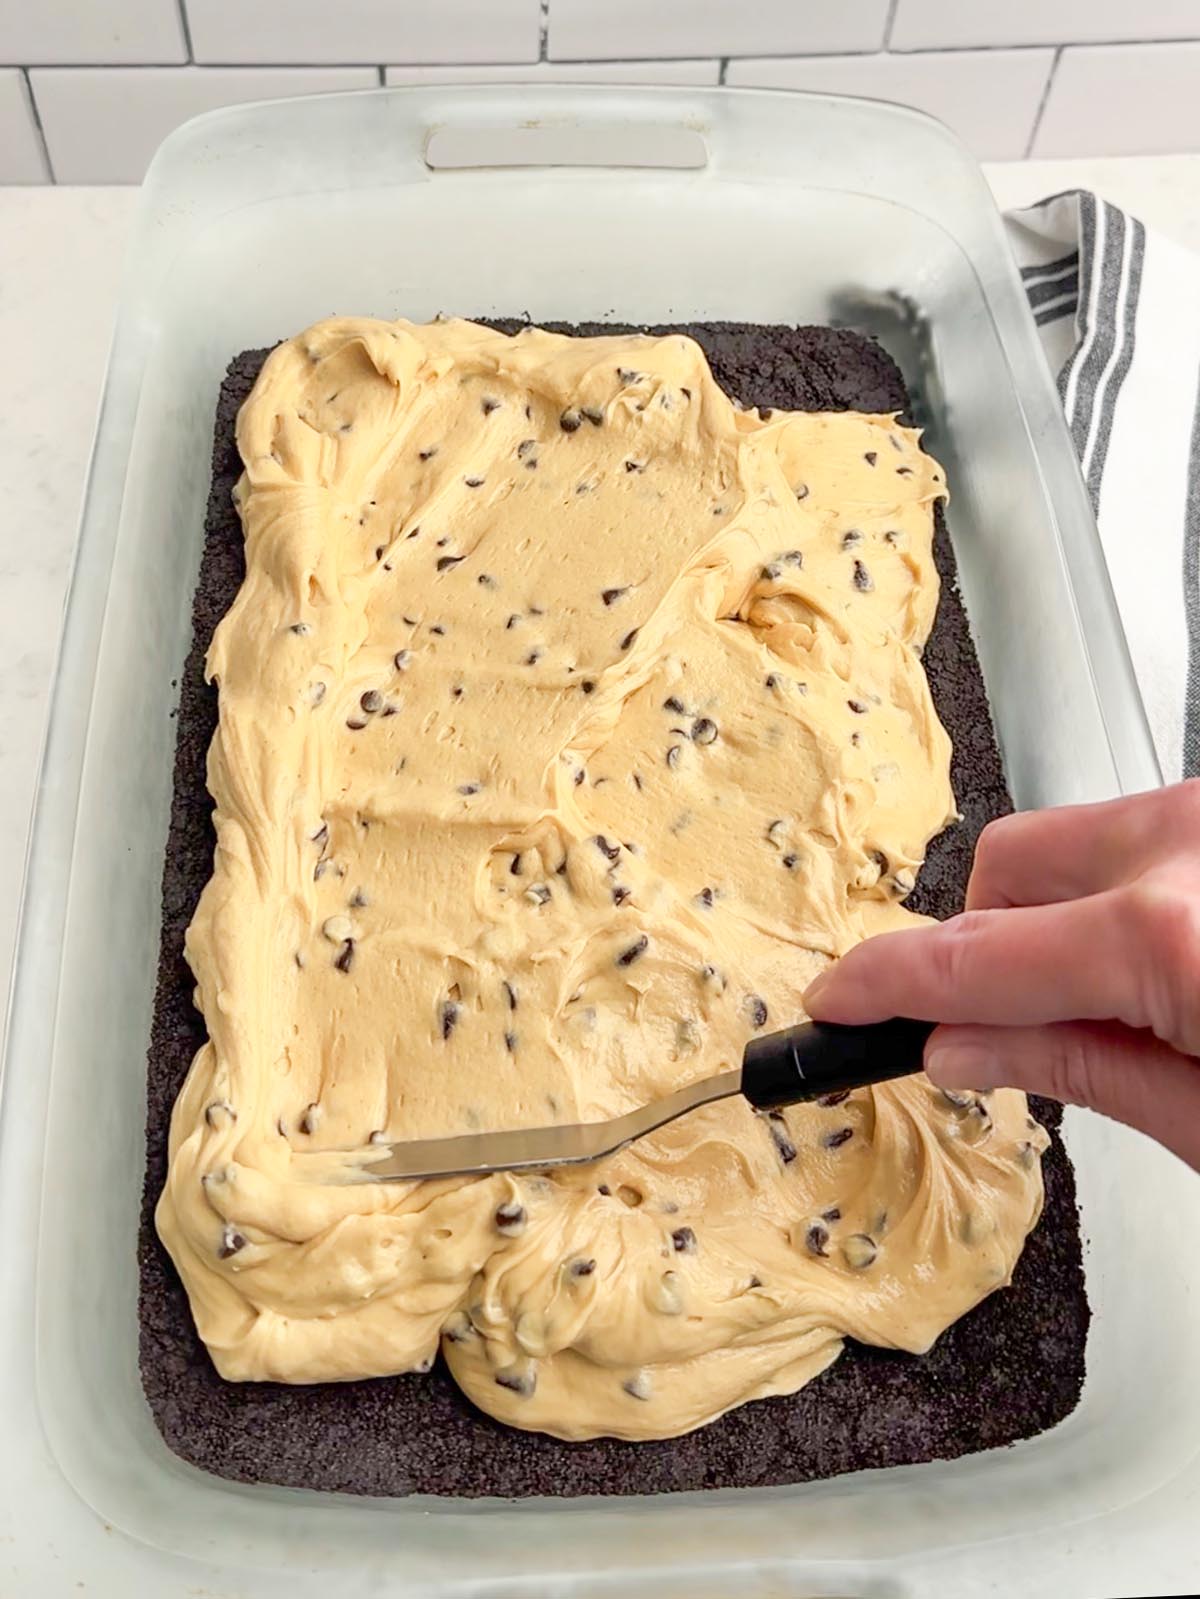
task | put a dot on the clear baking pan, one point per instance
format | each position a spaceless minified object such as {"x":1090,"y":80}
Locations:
{"x":572,"y":203}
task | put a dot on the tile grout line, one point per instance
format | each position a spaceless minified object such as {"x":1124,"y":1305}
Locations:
{"x":1041,"y":105}
{"x":544,"y":31}
{"x":31,"y":99}
{"x":793,"y":55}
{"x":187,"y":30}
{"x":889,"y":24}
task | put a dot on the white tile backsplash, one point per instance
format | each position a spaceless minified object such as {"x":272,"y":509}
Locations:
{"x":364,"y":30}
{"x":1049,"y":77}
{"x":950,"y":24}
{"x":45,"y":32}
{"x":989,"y":97}
{"x":565,"y":72}
{"x":102,"y":125}
{"x":585,"y":30}
{"x":1123,"y":100}
{"x":21,"y":156}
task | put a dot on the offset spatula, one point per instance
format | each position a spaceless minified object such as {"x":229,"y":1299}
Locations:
{"x":784,"y":1068}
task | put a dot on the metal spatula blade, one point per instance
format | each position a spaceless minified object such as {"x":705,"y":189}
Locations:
{"x":784,"y":1068}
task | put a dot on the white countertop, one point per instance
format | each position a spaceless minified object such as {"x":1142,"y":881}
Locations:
{"x":60,"y":262}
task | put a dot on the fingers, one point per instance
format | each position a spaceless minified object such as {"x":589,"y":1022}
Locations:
{"x":1126,"y":1074}
{"x":1131,"y":955}
{"x":1041,"y":857}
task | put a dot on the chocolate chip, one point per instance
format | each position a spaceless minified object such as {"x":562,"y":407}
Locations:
{"x":790,"y":862}
{"x":862,"y":578}
{"x":300,"y":627}
{"x":637,"y":782}
{"x":316,"y":693}
{"x":629,"y":638}
{"x":893,"y":535}
{"x":401,"y":660}
{"x":771,"y":681}
{"x":673,"y":755}
{"x":569,"y":421}
{"x":511,"y":1219}
{"x":860,"y":1250}
{"x":579,"y":776}
{"x":816,"y":1236}
{"x":959,"y":1098}
{"x":904,"y":471}
{"x":533,"y":657}
{"x":801,"y":491}
{"x":837,"y":1139}
{"x":620,"y":893}
{"x":513,"y":620}
{"x":635,"y":466}
{"x":769,"y":573}
{"x":634,"y":952}
{"x":346,"y":959}
{"x":705,"y":896}
{"x":675,"y":705}
{"x":684,"y":1241}
{"x":427,"y":455}
{"x":593,"y":415}
{"x":704,"y":731}
{"x":712,"y":978}
{"x":793,"y":558}
{"x":445,"y":562}
{"x":487,"y":405}
{"x":510,"y":1043}
{"x":231,"y":1242}
{"x":837,"y":1098}
{"x":851,"y":539}
{"x":371,"y":701}
{"x":611,"y":596}
{"x":520,"y":1382}
{"x":515,"y":866}
{"x":784,"y":1147}
{"x":870,"y":457}
{"x":310,"y":1119}
{"x":456,"y":693}
{"x":459,"y":1329}
{"x":219,"y":1111}
{"x":611,"y":852}
{"x":510,"y":994}
{"x":526,"y":448}
{"x":538,"y":894}
{"x":832,"y":1214}
{"x":474,"y":482}
{"x":438,"y":629}
{"x":582,"y":1268}
{"x":756,"y":1009}
{"x":354,"y":724}
{"x":587,"y":685}
{"x":468,"y":788}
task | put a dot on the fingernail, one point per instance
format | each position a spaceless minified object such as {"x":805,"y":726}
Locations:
{"x":814,"y":990}
{"x":960,"y":1066}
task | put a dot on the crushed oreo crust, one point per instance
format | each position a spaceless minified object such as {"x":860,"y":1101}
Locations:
{"x":418,"y":1433}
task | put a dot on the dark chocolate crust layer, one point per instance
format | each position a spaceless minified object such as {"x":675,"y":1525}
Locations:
{"x":1011,"y":1368}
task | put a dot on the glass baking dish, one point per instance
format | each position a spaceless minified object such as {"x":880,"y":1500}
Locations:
{"x":652,"y":205}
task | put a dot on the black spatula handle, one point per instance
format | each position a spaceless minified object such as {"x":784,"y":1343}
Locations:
{"x":818,"y":1058}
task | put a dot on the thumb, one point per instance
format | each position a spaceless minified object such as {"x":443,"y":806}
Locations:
{"x":1119,"y":1071}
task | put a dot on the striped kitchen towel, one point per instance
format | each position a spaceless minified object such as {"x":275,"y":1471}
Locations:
{"x":1118,"y":311}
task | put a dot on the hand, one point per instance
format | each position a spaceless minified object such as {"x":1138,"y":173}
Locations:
{"x":1073,"y":972}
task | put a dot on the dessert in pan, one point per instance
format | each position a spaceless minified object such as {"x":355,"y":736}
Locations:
{"x":580,"y":697}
